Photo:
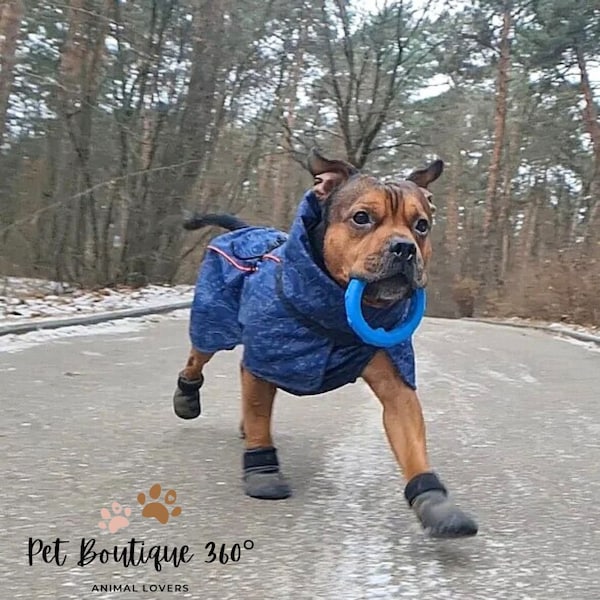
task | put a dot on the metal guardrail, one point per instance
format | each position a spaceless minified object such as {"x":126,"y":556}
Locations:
{"x":91,"y":319}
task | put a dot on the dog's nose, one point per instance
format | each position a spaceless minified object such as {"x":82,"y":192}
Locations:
{"x":403,"y":248}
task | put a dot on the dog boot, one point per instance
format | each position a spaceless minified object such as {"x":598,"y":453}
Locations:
{"x":438,"y":515}
{"x":262,"y":478}
{"x":186,"y":400}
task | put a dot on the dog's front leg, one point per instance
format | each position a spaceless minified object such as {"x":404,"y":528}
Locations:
{"x":262,"y":478}
{"x":405,"y":429}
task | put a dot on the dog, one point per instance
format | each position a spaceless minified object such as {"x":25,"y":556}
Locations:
{"x":281,"y":296}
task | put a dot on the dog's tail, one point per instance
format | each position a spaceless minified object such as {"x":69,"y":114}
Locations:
{"x":196,"y":221}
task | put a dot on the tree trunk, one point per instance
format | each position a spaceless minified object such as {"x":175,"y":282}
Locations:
{"x":530,"y":225}
{"x":284,"y":171}
{"x":499,"y":258}
{"x":491,"y":209}
{"x":452,"y":214}
{"x":592,"y":126}
{"x":152,"y":244}
{"x":80,"y":68}
{"x":11,"y":15}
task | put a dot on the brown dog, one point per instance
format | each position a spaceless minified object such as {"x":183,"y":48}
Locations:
{"x":281,"y":297}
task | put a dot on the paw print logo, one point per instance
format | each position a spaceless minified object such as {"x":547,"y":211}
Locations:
{"x":158,"y":509}
{"x":114,"y":519}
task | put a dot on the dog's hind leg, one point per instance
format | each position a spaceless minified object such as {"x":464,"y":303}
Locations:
{"x":262,"y":478}
{"x":241,"y":427}
{"x":186,"y":400}
{"x":405,"y":429}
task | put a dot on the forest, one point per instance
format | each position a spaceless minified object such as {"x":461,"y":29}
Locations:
{"x":116,"y":117}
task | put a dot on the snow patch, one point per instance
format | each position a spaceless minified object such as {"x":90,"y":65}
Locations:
{"x":17,"y":342}
{"x":588,"y":345}
{"x":22,"y":300}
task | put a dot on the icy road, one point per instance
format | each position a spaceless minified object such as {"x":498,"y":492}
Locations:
{"x":86,"y":424}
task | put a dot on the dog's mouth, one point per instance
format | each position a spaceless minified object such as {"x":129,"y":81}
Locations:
{"x":389,"y":289}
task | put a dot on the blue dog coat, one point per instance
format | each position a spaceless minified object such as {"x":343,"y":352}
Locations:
{"x":262,"y":288}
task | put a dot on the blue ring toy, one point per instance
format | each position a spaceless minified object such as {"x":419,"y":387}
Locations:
{"x":380,"y":337}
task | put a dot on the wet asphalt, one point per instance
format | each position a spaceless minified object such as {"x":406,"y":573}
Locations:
{"x":513,"y":420}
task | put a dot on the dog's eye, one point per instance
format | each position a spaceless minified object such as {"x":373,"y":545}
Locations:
{"x":361,"y":217}
{"x":422,"y":226}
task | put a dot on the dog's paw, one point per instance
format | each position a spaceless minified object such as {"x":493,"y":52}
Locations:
{"x":441,"y":518}
{"x":186,"y":400}
{"x":262,"y":478}
{"x":267,"y":486}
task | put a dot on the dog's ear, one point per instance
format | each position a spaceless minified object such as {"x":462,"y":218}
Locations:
{"x":424,"y":177}
{"x":318,"y":164}
{"x":327,"y":174}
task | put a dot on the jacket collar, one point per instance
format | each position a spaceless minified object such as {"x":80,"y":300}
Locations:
{"x":310,"y":289}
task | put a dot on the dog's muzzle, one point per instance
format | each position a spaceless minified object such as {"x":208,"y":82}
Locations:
{"x":398,"y":275}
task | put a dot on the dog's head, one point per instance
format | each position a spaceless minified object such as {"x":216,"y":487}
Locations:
{"x":373,"y":230}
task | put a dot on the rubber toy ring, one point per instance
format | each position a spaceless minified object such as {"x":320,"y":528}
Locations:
{"x":380,"y":337}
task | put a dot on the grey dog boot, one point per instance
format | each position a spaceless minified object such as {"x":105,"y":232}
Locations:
{"x":186,"y":400}
{"x":262,"y":478}
{"x":438,"y":515}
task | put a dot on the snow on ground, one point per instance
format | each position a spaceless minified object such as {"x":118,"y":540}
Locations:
{"x":22,"y":300}
{"x":591,"y":346}
{"x":561,"y":327}
{"x":35,"y":300}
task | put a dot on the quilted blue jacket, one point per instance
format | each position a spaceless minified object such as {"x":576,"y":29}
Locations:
{"x":261,"y":288}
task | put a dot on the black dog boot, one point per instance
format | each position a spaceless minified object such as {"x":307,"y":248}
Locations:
{"x":186,"y":400}
{"x":262,"y":478}
{"x":438,"y":515}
